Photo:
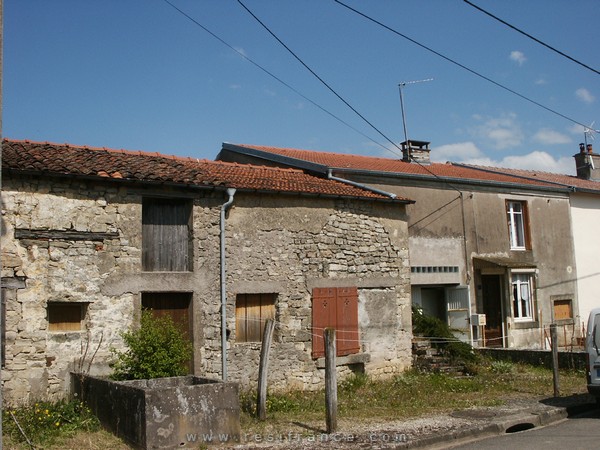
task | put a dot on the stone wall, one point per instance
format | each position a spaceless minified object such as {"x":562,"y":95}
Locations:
{"x":275,"y":244}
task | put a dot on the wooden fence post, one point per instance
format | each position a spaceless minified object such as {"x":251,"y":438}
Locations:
{"x":261,"y":400}
{"x":554,"y":341}
{"x":330,"y":380}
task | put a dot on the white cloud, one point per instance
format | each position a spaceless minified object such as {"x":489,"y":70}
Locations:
{"x":584,"y":95}
{"x":541,"y":81}
{"x":536,"y":160}
{"x":460,"y":151}
{"x":518,"y":57}
{"x":550,"y":137}
{"x":503,"y":132}
{"x":235,"y":86}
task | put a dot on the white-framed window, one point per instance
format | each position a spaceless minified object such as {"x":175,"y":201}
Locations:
{"x":522,"y":294}
{"x":517,"y":225}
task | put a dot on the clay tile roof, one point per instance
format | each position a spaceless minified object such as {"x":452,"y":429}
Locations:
{"x":69,"y":160}
{"x":396,"y":167}
{"x":549,"y":177}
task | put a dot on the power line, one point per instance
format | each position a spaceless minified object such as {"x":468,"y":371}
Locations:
{"x":462,"y":66}
{"x":257,"y":65}
{"x":531,"y":37}
{"x":318,"y":77}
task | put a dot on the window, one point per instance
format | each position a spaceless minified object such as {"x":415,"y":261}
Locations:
{"x":336,"y":308}
{"x":518,"y":227}
{"x":251,"y":313}
{"x":166,"y":235}
{"x":522,"y":296}
{"x":563,"y":309}
{"x":66,"y":316}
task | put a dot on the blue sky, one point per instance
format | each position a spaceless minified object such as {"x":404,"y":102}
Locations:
{"x":137,"y":74}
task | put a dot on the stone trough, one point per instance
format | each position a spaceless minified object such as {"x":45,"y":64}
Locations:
{"x":176,"y":412}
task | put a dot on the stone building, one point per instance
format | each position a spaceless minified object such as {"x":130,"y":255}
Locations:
{"x":90,"y":236}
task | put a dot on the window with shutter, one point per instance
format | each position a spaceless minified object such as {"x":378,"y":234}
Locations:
{"x":335,"y":308}
{"x":66,"y":316}
{"x":166,"y":235}
{"x":251,"y":313}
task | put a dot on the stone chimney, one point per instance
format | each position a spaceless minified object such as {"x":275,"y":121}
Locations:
{"x":416,"y":152}
{"x":587,"y":163}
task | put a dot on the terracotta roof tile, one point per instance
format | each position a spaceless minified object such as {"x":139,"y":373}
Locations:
{"x":447,"y":171}
{"x":67,"y":159}
{"x":556,"y":178}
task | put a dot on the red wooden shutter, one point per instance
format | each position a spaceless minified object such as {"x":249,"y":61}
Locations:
{"x":337,"y":308}
{"x":323,"y":315}
{"x":347,"y":321}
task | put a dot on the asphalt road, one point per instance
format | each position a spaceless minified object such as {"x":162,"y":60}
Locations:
{"x":581,"y":432}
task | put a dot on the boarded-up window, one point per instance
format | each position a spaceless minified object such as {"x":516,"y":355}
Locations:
{"x":63,"y":316}
{"x":563,"y":309}
{"x":336,"y":308}
{"x":251,"y":313}
{"x":166,"y":236}
{"x":177,"y":306}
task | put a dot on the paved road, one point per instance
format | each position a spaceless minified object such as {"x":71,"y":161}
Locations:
{"x":576,"y":433}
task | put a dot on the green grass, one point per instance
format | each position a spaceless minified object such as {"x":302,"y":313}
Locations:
{"x":414,"y":394}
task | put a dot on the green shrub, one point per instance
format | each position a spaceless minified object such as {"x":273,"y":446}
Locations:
{"x":442,"y":337}
{"x":156,"y":349}
{"x":501,"y":367}
{"x":43,"y":422}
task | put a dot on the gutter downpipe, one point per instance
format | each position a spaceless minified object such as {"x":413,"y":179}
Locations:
{"x":359,"y":185}
{"x":224,"y":208}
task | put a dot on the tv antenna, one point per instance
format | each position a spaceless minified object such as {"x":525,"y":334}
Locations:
{"x":589,"y":132}
{"x":401,"y":87}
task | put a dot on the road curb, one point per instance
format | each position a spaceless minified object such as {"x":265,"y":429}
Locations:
{"x":498,"y":426}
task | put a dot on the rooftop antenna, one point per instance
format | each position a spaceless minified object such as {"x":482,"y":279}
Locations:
{"x":401,"y":87}
{"x":589,"y":132}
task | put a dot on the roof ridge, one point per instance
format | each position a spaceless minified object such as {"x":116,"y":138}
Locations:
{"x":345,"y":155}
{"x":108,"y":149}
{"x":500,"y":169}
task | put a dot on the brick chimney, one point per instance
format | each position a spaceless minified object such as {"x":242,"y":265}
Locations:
{"x":415,"y":151}
{"x":587,"y":163}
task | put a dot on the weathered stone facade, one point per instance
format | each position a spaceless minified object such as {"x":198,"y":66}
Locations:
{"x":277,"y":244}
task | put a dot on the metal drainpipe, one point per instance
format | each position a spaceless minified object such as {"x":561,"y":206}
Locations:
{"x":224,"y":208}
{"x":359,"y":185}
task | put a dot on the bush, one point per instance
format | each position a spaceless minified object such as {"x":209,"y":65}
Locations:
{"x":43,"y":422}
{"x":156,"y":349}
{"x":442,"y":337}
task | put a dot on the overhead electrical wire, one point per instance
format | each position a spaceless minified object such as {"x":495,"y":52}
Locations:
{"x":424,"y":167}
{"x":462,"y":66}
{"x":531,"y":37}
{"x":319,"y":78}
{"x":273,"y":75}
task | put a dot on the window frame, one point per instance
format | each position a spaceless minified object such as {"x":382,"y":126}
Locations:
{"x":518,"y":225}
{"x":267,"y":302}
{"x":517,"y":282}
{"x":56,"y":309}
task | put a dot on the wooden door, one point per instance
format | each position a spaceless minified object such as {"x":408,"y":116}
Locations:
{"x":177,"y":306}
{"x":491,"y":286}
